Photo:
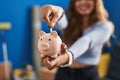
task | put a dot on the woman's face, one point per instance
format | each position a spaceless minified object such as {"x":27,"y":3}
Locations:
{"x":84,"y":7}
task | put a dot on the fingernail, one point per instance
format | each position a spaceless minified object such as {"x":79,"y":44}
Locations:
{"x":52,"y":25}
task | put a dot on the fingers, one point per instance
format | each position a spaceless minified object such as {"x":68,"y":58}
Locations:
{"x":54,"y":20}
{"x":50,"y":14}
{"x":45,"y":13}
{"x":54,"y":63}
{"x":57,"y":13}
{"x":61,"y":60}
{"x":47,"y":62}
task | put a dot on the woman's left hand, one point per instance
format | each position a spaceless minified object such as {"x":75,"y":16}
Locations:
{"x":62,"y":59}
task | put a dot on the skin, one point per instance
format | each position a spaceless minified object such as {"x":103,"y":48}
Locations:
{"x":84,"y":8}
{"x":50,"y":14}
{"x":60,"y":60}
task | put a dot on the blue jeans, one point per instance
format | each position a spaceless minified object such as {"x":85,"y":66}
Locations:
{"x":88,"y":73}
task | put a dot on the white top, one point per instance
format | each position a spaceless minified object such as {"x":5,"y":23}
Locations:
{"x":87,"y":49}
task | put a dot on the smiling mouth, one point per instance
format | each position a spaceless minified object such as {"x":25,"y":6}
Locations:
{"x":46,"y":50}
{"x":83,"y":9}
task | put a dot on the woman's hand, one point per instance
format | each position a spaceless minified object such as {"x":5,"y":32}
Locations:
{"x":57,"y":62}
{"x":50,"y":14}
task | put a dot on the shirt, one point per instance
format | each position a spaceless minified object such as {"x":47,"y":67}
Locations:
{"x":87,"y":49}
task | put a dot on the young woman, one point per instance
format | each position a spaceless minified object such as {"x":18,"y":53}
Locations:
{"x":84,"y":32}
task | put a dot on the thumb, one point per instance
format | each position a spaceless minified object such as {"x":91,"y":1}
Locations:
{"x":54,"y":20}
{"x":63,"y":48}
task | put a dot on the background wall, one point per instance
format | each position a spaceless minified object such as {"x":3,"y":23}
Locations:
{"x":18,"y":39}
{"x":114,"y":14}
{"x":112,"y":7}
{"x":18,"y":12}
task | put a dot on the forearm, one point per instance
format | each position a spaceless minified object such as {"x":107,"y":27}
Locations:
{"x":77,"y":49}
{"x":80,"y":46}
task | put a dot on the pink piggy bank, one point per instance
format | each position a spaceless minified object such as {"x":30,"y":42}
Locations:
{"x":49,"y":44}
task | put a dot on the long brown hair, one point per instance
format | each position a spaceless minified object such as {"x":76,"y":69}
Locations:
{"x":74,"y":28}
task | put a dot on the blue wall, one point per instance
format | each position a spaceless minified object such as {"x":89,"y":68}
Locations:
{"x":18,"y":39}
{"x":112,"y":7}
{"x":18,"y":12}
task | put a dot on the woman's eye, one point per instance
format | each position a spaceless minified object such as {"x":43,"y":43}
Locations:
{"x":49,"y":39}
{"x":41,"y":39}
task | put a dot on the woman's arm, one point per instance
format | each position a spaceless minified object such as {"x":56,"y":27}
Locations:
{"x":99,"y":35}
{"x":62,"y":22}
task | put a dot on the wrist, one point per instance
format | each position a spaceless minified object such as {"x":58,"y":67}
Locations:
{"x":61,"y":16}
{"x":69,"y":59}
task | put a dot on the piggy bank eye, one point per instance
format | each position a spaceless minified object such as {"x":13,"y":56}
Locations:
{"x":41,"y":39}
{"x":49,"y":39}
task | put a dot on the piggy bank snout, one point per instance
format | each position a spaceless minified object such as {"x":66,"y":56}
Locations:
{"x":45,"y":46}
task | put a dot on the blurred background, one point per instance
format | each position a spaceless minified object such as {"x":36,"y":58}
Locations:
{"x":19,"y":26}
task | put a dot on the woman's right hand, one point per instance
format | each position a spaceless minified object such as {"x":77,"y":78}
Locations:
{"x":62,"y":59}
{"x":51,"y":14}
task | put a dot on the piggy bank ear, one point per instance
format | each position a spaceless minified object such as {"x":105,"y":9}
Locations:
{"x":54,"y":34}
{"x":41,"y":33}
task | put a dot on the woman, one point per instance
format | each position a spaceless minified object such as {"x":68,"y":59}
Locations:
{"x":85,"y":32}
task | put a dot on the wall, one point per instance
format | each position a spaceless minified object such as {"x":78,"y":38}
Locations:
{"x":18,"y":39}
{"x":113,"y":8}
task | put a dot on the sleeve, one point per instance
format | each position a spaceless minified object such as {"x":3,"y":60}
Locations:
{"x":62,"y":22}
{"x":99,"y":35}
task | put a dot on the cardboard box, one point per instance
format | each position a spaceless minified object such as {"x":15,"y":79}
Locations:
{"x":2,"y":70}
{"x":46,"y":74}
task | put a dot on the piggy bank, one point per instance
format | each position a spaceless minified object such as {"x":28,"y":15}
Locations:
{"x":49,"y":44}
